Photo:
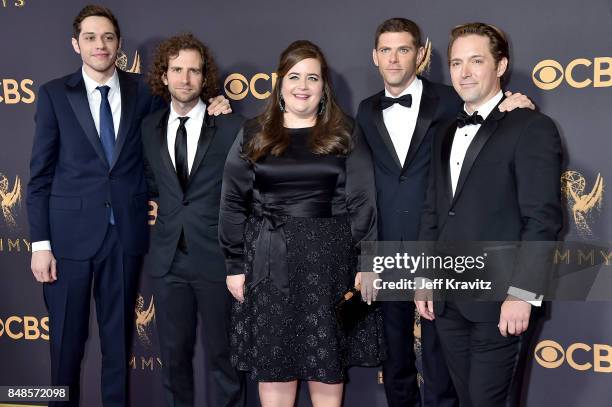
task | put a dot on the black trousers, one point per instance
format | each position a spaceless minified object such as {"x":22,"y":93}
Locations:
{"x":180,"y":296}
{"x":115,"y":280}
{"x":400,"y":370}
{"x":486,"y":368}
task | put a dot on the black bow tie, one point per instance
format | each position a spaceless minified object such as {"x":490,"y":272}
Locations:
{"x":386,"y":101}
{"x":463,"y":119}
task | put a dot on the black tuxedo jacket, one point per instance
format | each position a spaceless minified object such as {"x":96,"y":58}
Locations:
{"x":401,"y":190}
{"x":508,"y":190}
{"x":195,"y":211}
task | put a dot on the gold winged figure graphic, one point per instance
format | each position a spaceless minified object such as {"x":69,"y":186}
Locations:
{"x":144,"y":319}
{"x":574,"y":185}
{"x":122,"y":62}
{"x":9,"y":200}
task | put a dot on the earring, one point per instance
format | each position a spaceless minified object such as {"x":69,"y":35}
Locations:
{"x":322,"y":105}
{"x":281,"y":103}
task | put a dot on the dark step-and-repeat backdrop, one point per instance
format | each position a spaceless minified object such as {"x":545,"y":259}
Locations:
{"x":561,"y":58}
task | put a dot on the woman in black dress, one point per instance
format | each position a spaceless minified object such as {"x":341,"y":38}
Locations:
{"x":298,"y":197}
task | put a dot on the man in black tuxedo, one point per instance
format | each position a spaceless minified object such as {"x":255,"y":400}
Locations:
{"x":399,"y":124}
{"x":495,"y":177}
{"x":185,"y":150}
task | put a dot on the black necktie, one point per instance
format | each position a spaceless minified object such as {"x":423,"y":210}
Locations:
{"x":386,"y":101}
{"x":463,"y":119}
{"x":180,"y":153}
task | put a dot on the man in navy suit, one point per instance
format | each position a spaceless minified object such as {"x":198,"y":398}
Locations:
{"x":399,"y":123}
{"x":88,"y":203}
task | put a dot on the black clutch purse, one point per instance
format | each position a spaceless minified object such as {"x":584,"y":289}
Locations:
{"x":351,"y":310}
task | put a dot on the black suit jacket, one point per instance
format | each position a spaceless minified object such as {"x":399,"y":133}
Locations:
{"x":400,"y":190}
{"x":508,"y":190}
{"x":196,"y":211}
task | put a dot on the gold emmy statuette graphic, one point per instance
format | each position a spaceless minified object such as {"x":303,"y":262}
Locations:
{"x":9,"y":200}
{"x":122,"y":62}
{"x":152,"y":212}
{"x":144,"y":319}
{"x":424,"y":65}
{"x":573,"y":186}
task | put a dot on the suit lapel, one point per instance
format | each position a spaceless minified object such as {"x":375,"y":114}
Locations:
{"x":162,"y":128}
{"x":206,"y":136}
{"x":429,"y":103}
{"x":480,"y":139}
{"x":128,"y":104}
{"x":447,"y":144}
{"x":77,"y":96}
{"x":382,"y":130}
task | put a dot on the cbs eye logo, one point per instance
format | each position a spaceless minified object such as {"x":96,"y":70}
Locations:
{"x":579,"y":356}
{"x":549,"y":354}
{"x":549,"y":74}
{"x":25,"y":328}
{"x":237,"y":86}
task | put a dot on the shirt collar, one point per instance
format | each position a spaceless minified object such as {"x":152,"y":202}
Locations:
{"x":486,"y":108}
{"x":196,"y":113}
{"x":91,"y":85}
{"x":413,"y":89}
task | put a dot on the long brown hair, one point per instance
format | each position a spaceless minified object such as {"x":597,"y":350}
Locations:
{"x":170,"y":48}
{"x":331,"y":133}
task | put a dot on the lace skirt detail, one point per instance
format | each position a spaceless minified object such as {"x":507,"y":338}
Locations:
{"x":281,"y":338}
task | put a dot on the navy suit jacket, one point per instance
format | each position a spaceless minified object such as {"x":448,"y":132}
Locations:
{"x":401,"y":189}
{"x":72,"y":187}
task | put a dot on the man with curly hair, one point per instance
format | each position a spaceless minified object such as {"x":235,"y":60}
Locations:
{"x":185,"y":150}
{"x":87,"y":205}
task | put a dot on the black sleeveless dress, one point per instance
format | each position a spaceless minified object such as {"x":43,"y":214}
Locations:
{"x":292,"y":225}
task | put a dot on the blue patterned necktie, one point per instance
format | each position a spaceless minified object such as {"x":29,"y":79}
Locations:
{"x":107,"y":132}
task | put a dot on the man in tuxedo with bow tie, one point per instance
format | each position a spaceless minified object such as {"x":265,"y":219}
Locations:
{"x":495,"y":177}
{"x":399,"y":123}
{"x":185,"y":150}
{"x":87,"y":205}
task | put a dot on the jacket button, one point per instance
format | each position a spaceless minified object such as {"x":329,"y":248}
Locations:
{"x":107,"y":204}
{"x":451,"y":213}
{"x":403,"y":178}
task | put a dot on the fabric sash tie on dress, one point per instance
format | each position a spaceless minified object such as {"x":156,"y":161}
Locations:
{"x":270,"y":258}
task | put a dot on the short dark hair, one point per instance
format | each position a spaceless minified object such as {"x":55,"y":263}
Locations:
{"x":397,"y":25}
{"x":170,"y":48}
{"x":498,"y":43}
{"x":94,"y":10}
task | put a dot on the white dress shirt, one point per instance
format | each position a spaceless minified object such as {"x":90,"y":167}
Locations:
{"x":94,"y":97}
{"x":400,"y":121}
{"x":193,"y":126}
{"x":465,"y":135}
{"x":461,"y":142}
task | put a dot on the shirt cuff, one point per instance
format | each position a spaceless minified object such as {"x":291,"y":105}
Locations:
{"x":41,"y":245}
{"x":234,"y":267}
{"x":527,"y":296}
